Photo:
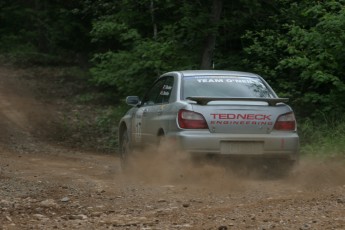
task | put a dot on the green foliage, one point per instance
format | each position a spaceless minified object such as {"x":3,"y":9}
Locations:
{"x":129,"y":72}
{"x":40,"y":32}
{"x":325,"y":137}
{"x":92,"y":129}
{"x":106,"y":122}
{"x":135,"y":57}
{"x":108,"y":29}
{"x":304,"y":60}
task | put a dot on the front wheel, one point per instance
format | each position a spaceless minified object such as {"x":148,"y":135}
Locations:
{"x":125,"y":150}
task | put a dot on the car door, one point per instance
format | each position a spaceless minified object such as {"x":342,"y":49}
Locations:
{"x":153,"y":107}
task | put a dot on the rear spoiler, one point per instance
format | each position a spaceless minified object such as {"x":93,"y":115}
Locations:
{"x":270,"y":101}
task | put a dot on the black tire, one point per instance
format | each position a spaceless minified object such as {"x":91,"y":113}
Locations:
{"x":259,"y":168}
{"x":164,"y":145}
{"x":280,"y":168}
{"x":125,"y":150}
{"x":160,"y":142}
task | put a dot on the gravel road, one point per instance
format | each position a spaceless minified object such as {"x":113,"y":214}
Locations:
{"x":44,"y":185}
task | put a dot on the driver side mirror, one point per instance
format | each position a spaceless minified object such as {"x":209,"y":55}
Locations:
{"x":133,"y":100}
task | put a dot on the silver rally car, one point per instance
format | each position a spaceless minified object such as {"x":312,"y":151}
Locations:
{"x":211,"y":112}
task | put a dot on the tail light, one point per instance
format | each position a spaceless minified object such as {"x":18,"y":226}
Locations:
{"x":191,"y":120}
{"x":286,"y":122}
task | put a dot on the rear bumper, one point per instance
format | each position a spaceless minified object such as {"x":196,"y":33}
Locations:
{"x":274,"y":145}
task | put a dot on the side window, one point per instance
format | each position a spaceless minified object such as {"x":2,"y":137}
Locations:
{"x":160,"y":92}
{"x":165,"y":93}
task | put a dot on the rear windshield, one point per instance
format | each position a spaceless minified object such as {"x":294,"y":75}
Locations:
{"x":224,"y":86}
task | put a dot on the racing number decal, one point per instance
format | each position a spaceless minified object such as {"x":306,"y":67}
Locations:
{"x":137,"y":124}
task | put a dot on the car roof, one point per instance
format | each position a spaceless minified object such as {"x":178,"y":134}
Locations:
{"x":187,"y":73}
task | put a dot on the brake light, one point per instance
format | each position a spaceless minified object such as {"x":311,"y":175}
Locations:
{"x":286,"y":122}
{"x":191,"y":120}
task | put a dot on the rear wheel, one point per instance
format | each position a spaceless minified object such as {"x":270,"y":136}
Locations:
{"x":262,"y":168}
{"x":278,"y":168}
{"x":166,"y":145}
{"x":161,"y":141}
{"x":284,"y":168}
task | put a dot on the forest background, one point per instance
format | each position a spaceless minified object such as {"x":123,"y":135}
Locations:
{"x":116,"y":48}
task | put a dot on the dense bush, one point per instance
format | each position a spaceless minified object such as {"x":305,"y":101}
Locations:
{"x":42,"y":32}
{"x":303,"y":56}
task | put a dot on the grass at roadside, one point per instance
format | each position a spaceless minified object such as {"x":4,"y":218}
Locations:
{"x":82,"y":115}
{"x":323,"y":138}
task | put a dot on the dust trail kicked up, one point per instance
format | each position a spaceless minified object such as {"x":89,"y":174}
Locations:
{"x":165,"y":166}
{"x":172,"y":167}
{"x":316,"y":174}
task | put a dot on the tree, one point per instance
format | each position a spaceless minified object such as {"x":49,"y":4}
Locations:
{"x":210,"y":40}
{"x":42,"y":31}
{"x":128,"y":40}
{"x":303,"y":55}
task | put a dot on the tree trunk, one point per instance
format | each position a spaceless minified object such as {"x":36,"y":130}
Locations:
{"x":210,"y":39}
{"x":154,"y":24}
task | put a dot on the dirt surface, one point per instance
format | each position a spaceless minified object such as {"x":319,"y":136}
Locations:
{"x":44,"y":185}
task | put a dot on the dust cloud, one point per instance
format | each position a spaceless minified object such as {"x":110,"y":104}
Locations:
{"x":314,"y":174}
{"x":168,"y":166}
{"x":162,"y":167}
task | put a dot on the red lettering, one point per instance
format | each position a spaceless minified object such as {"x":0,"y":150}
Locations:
{"x":258,"y":117}
{"x":222,"y":116}
{"x":267,"y":117}
{"x":241,"y":123}
{"x":241,"y":116}
{"x":231,"y":116}
{"x":250,"y":116}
